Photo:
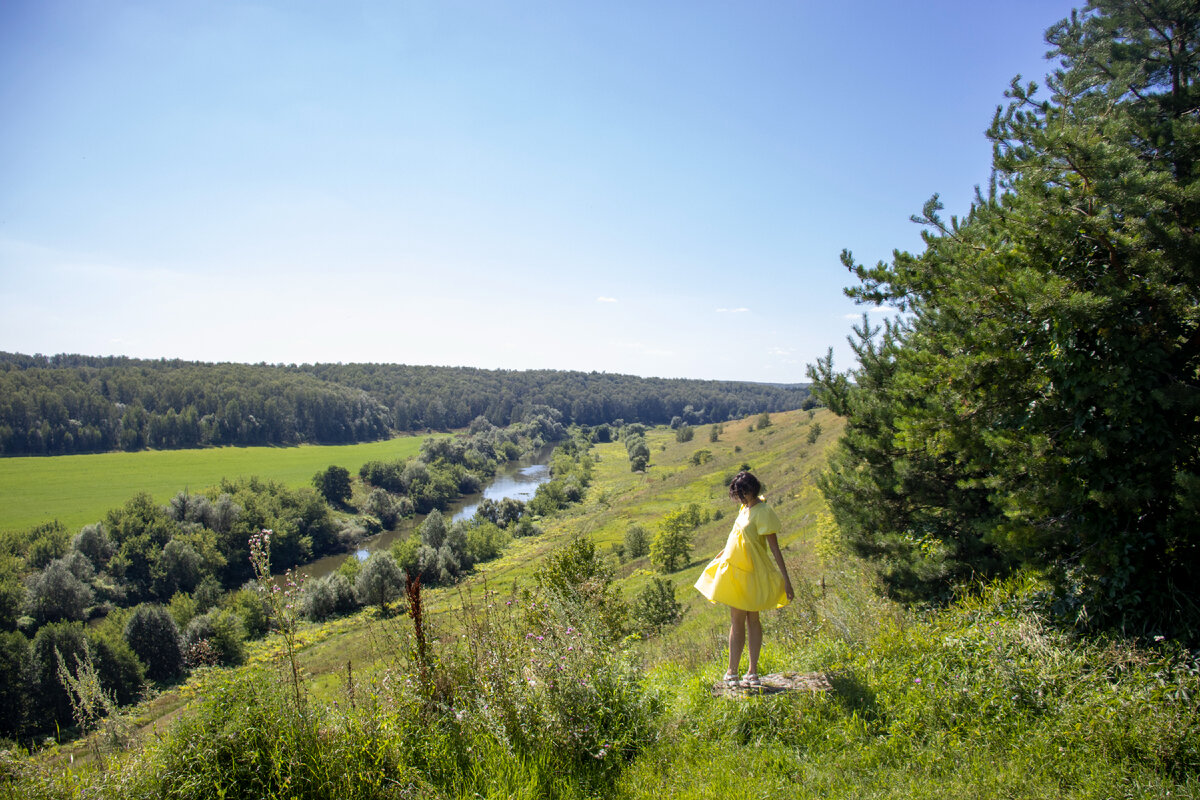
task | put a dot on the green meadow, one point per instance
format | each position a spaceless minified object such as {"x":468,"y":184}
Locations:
{"x":77,"y":490}
{"x":519,"y":695}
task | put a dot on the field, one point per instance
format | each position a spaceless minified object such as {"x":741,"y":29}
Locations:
{"x":519,"y":695}
{"x":78,"y":490}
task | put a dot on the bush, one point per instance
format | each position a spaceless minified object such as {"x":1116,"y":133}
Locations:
{"x":154,"y":638}
{"x":16,"y":687}
{"x":325,"y":597}
{"x":637,"y":542}
{"x":121,"y":674}
{"x":577,"y":709}
{"x":94,"y":543}
{"x":380,"y":582}
{"x":381,"y":505}
{"x":251,"y":609}
{"x":577,"y":573}
{"x":216,"y":638}
{"x":656,"y":607}
{"x":51,"y":704}
{"x":56,"y":594}
{"x":814,"y":433}
{"x":333,"y":483}
{"x":486,"y":541}
{"x":684,"y":433}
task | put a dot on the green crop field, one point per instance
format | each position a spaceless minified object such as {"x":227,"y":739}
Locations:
{"x":78,"y":490}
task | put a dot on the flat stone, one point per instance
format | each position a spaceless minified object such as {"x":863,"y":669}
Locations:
{"x":776,"y":682}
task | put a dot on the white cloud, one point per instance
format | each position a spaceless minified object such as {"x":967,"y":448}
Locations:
{"x":603,"y":299}
{"x":732,"y":310}
{"x":857,"y":315}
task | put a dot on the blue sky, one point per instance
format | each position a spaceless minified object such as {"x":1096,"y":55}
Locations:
{"x":655,"y":188}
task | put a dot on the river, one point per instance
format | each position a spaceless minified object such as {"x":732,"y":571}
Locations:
{"x":519,"y":479}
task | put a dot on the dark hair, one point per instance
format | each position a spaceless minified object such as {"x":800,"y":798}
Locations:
{"x":744,"y":484}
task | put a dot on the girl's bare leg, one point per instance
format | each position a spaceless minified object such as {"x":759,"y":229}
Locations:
{"x":754,"y":627}
{"x":737,"y":638}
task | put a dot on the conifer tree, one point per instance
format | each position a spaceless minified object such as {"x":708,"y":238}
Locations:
{"x":1037,"y":402}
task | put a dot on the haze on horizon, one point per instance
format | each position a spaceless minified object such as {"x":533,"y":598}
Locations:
{"x":653,"y":189}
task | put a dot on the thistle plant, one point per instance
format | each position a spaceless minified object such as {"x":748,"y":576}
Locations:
{"x":282,"y":601}
{"x":90,"y":703}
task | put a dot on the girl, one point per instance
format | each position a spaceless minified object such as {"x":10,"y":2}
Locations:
{"x":743,"y":577}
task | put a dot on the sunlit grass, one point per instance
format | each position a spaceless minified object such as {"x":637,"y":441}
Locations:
{"x":79,"y":489}
{"x":979,"y":700}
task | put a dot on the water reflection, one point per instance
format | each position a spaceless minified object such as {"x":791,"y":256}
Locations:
{"x":519,"y":481}
{"x":519,"y":485}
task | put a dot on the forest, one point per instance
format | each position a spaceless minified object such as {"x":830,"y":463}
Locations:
{"x":53,"y":405}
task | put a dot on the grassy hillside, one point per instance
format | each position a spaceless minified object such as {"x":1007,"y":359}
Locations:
{"x":520,"y":694}
{"x":77,"y":490}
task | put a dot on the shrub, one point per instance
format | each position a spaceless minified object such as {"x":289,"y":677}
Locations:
{"x":56,"y":593}
{"x":486,"y":541}
{"x":182,"y":607}
{"x":121,"y":673}
{"x":433,"y":530}
{"x":684,"y":433}
{"x":325,"y":597}
{"x":51,"y":703}
{"x":252,"y":610}
{"x":637,"y":542}
{"x":16,"y":674}
{"x":218,"y":635}
{"x":94,"y":543}
{"x":539,"y":682}
{"x":380,"y":582}
{"x":578,"y":573}
{"x":154,"y":637}
{"x":333,"y":483}
{"x":814,"y":433}
{"x":381,"y":505}
{"x":656,"y":607}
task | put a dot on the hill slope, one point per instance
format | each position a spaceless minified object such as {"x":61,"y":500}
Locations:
{"x":519,"y":692}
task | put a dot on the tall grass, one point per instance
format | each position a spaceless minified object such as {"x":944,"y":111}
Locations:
{"x":980,"y":700}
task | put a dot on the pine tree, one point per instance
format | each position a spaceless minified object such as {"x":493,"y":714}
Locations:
{"x":1037,"y":404}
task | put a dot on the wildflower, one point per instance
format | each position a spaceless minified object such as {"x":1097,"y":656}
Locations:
{"x":916,"y":680}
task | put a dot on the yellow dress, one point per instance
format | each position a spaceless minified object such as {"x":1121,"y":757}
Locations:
{"x":744,"y":575}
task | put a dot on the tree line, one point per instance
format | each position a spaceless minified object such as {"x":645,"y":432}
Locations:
{"x":52,"y":405}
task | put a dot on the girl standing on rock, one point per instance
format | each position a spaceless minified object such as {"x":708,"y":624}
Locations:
{"x":745,"y":577}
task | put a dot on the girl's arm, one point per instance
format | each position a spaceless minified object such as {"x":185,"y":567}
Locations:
{"x":773,"y":543}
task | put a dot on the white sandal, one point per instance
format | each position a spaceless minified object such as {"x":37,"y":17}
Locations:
{"x":730,"y":679}
{"x":752,"y":680}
